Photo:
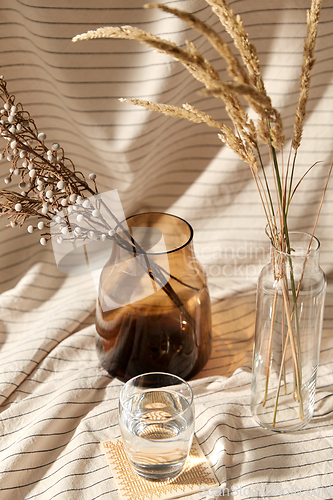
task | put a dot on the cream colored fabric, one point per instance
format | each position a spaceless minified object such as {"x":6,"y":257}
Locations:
{"x":57,"y":402}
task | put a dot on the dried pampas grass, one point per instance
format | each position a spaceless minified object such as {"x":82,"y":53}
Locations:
{"x":246,"y":87}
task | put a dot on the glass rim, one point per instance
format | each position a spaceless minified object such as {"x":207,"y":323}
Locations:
{"x":177,"y":248}
{"x":311,"y":238}
{"x":133,"y":379}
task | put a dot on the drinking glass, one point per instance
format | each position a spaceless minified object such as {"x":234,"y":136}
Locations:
{"x":156,"y":413}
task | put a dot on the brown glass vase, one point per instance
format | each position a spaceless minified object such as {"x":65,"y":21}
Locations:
{"x":153,"y":309}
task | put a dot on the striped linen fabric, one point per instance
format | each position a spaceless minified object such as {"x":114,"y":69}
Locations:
{"x":56,"y":402}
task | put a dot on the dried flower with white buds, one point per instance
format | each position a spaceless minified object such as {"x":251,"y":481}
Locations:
{"x":48,"y":178}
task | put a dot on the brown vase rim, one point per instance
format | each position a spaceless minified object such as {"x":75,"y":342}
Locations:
{"x":176,"y":249}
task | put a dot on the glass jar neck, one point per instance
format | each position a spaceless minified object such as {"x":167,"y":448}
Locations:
{"x":304,"y":248}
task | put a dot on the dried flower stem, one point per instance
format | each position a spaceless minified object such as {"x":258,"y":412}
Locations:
{"x":234,"y":26}
{"x":308,"y":63}
{"x":234,"y":68}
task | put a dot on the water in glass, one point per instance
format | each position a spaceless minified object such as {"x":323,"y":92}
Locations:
{"x":157,"y":427}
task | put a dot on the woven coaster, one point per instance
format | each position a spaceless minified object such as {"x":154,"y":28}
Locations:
{"x":196,"y":474}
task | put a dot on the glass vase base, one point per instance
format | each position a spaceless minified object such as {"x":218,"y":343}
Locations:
{"x":290,"y":416}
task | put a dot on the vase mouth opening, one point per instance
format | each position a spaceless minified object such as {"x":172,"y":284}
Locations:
{"x":302,"y":244}
{"x":158,"y":233}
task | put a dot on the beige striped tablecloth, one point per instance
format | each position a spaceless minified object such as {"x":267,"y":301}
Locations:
{"x":56,"y":402}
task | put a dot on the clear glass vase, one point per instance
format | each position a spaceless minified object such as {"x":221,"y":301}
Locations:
{"x":153,"y":310}
{"x":290,"y":306}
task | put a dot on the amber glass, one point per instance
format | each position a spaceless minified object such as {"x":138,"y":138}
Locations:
{"x":153,"y":310}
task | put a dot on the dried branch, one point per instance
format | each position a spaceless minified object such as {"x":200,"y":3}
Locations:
{"x":308,"y":63}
